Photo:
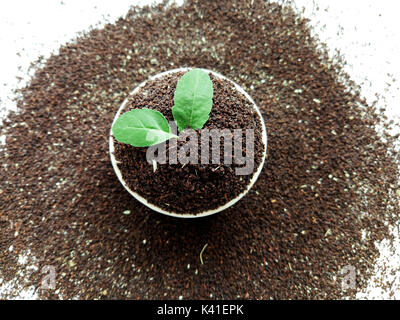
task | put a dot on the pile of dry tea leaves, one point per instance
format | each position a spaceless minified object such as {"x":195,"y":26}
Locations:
{"x":323,"y":198}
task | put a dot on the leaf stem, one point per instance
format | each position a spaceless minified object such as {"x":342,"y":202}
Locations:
{"x":201,"y":253}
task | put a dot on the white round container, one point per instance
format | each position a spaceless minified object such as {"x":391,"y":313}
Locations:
{"x":189,"y":215}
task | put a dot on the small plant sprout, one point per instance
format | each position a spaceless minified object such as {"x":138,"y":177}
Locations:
{"x":192,"y":106}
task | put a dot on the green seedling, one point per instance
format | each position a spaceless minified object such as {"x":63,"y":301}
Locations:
{"x":192,"y":106}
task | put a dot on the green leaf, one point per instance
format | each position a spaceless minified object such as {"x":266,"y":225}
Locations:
{"x":142,"y":128}
{"x":193,"y":100}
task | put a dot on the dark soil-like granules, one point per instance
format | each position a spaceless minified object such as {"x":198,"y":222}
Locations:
{"x":191,"y":188}
{"x":326,"y":193}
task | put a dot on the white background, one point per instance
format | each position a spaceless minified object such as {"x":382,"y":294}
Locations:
{"x":367,"y":33}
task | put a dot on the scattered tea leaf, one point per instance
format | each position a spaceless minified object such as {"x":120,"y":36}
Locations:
{"x":142,"y":128}
{"x":193,"y":100}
